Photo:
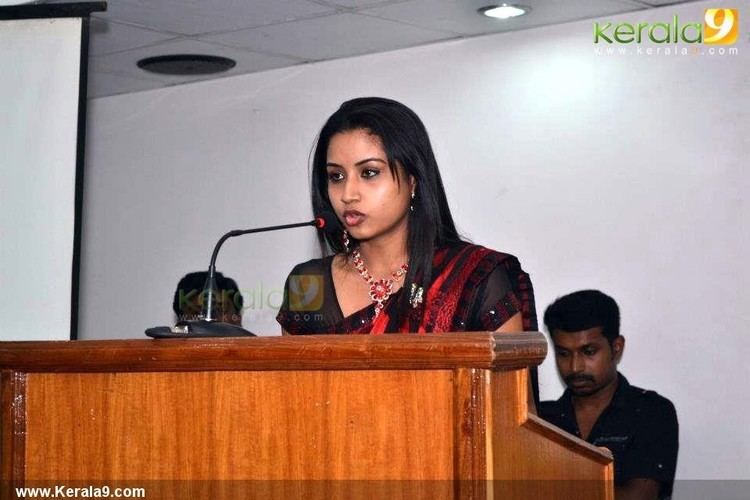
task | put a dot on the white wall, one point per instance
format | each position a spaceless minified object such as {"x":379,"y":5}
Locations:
{"x":616,"y":172}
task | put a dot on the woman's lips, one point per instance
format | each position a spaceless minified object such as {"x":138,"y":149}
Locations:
{"x":353,"y":218}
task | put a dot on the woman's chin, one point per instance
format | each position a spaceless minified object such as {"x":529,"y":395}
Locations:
{"x":358,"y":234}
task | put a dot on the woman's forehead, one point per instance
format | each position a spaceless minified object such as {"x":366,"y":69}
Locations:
{"x":354,"y":140}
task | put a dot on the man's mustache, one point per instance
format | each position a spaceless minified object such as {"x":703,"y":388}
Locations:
{"x":578,"y":378}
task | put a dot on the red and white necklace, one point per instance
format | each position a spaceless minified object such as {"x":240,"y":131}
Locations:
{"x":382,"y":289}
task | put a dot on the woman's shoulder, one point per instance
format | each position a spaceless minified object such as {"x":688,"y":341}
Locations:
{"x":467,"y":250}
{"x":313,"y":266}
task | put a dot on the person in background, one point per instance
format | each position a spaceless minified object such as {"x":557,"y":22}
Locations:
{"x":599,"y":405}
{"x":189,"y":297}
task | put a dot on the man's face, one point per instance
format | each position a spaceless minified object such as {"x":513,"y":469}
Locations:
{"x":585,"y":359}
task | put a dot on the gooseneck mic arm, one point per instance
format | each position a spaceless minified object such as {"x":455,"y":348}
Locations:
{"x":208,"y":325}
{"x":325,"y":220}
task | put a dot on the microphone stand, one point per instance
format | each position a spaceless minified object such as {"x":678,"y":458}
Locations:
{"x":208,"y":325}
{"x":208,"y":289}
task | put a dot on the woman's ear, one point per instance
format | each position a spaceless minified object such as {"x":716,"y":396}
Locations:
{"x":412,"y":184}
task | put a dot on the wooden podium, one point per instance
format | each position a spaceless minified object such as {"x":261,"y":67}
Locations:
{"x":335,"y":416}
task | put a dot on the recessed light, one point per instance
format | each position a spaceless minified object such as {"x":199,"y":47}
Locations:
{"x":186,"y":64}
{"x":504,"y":11}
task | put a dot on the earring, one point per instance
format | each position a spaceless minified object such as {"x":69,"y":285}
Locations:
{"x":346,"y":241}
{"x":411,"y":206}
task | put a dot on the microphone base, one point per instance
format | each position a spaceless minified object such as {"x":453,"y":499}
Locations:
{"x":197,"y":329}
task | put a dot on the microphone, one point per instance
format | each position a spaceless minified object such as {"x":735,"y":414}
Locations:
{"x":208,"y":325}
{"x":328,"y":222}
{"x":323,"y":221}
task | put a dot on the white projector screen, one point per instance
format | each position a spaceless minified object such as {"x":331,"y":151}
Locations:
{"x":39,"y":124}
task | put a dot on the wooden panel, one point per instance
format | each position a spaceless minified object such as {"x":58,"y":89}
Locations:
{"x":12,"y":430}
{"x":315,"y":425}
{"x":531,"y":459}
{"x":470,"y":432}
{"x":313,"y":352}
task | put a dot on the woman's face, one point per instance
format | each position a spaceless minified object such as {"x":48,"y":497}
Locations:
{"x":365,"y":196}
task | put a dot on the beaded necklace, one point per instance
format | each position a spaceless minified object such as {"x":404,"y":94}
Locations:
{"x":382,"y":289}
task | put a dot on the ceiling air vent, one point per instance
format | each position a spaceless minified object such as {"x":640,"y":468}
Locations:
{"x":186,"y":64}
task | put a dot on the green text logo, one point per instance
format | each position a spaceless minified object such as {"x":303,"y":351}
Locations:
{"x":720,"y":27}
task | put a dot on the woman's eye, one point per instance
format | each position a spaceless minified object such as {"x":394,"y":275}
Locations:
{"x":335,"y":176}
{"x":370,"y":172}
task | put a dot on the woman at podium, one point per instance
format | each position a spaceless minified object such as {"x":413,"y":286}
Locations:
{"x":397,"y":263}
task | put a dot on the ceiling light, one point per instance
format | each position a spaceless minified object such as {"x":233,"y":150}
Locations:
{"x":186,"y":64}
{"x":504,"y":11}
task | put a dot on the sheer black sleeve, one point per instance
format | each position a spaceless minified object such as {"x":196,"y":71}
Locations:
{"x":505,"y":292}
{"x":309,"y":305}
{"x":283,"y":318}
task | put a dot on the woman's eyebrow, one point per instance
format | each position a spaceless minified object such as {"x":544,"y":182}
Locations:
{"x":367,"y":160}
{"x":359,"y":163}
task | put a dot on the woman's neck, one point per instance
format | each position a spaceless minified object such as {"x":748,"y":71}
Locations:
{"x":384,"y":255}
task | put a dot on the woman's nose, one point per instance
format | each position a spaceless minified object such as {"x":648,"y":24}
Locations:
{"x":350,"y":192}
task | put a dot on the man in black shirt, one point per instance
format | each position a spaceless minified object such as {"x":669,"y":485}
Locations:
{"x":600,"y":406}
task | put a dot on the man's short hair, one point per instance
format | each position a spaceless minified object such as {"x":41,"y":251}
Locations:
{"x":583,"y":310}
{"x":196,"y":281}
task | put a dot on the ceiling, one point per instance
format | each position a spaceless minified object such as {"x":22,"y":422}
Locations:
{"x":265,"y":34}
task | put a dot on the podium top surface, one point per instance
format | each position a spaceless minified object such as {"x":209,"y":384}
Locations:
{"x":496,"y":351}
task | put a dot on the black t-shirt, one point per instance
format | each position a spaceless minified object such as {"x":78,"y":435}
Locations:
{"x":639,"y":427}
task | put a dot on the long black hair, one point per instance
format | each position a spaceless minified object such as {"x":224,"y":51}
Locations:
{"x":406,"y":143}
